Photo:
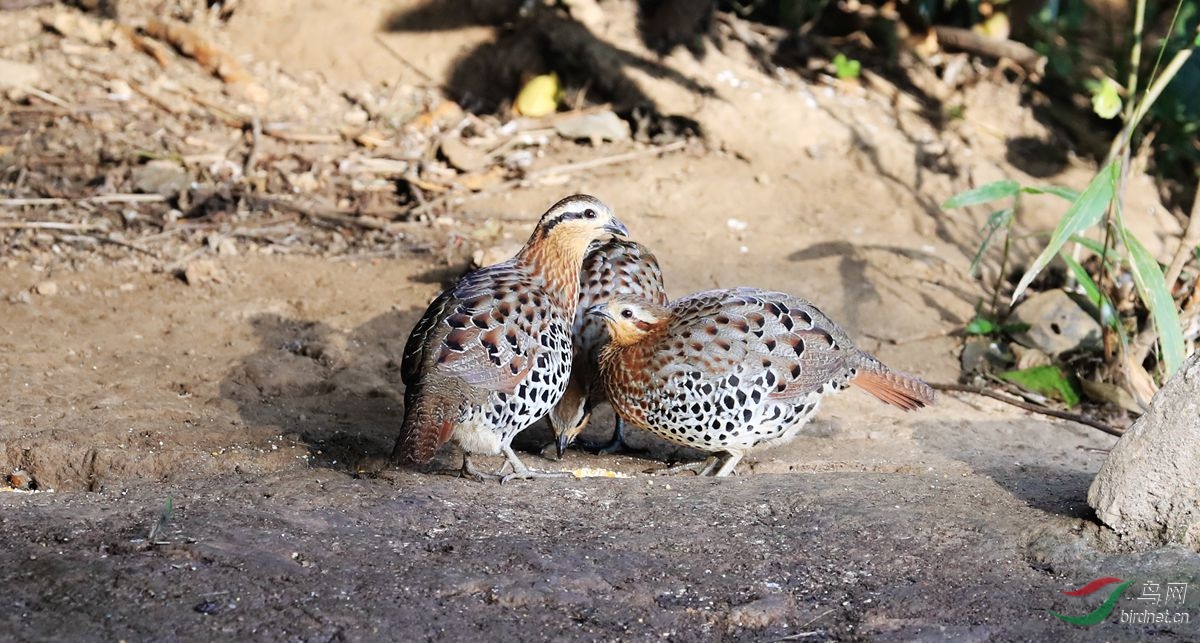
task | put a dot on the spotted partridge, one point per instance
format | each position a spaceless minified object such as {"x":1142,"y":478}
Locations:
{"x":492,"y":354}
{"x":724,"y":371}
{"x":617,"y":267}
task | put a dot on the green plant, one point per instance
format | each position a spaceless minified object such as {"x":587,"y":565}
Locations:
{"x":1101,"y":204}
{"x":846,"y":68}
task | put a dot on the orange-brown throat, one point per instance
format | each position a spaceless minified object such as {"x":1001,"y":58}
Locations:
{"x":557,"y":256}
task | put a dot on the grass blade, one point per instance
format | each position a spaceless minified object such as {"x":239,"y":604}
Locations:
{"x":982,"y":194}
{"x":1153,"y":289}
{"x":1083,"y":214}
{"x":998,"y":219}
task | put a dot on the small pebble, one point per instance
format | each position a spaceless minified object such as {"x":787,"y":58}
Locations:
{"x":47,"y":288}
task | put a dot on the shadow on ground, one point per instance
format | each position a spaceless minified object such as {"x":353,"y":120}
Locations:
{"x":339,"y":393}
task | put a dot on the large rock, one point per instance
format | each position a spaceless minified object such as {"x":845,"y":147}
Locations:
{"x":1057,"y":324}
{"x":1149,"y":487}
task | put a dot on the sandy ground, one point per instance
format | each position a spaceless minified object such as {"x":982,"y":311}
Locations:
{"x":249,"y":403}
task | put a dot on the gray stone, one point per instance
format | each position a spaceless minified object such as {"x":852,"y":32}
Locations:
{"x":1148,"y":490}
{"x":601,"y":126}
{"x":1057,"y":324}
{"x":160,"y":177}
{"x":15,"y":74}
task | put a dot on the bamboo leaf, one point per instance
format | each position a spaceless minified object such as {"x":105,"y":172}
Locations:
{"x":1083,"y":214}
{"x":1152,"y":288}
{"x":1056,"y":190}
{"x":982,"y":194}
{"x":1108,"y":314}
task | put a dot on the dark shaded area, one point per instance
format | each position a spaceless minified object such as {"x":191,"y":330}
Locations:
{"x":1037,"y":157}
{"x":340,"y":394}
{"x":534,"y":39}
{"x":666,"y":24}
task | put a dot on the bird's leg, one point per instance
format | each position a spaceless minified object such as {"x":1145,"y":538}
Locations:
{"x":616,"y":444}
{"x":523,"y":472}
{"x":731,"y":460}
{"x":469,"y":470}
{"x":703,"y":467}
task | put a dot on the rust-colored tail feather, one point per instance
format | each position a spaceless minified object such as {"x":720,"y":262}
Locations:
{"x":428,"y":424}
{"x":895,"y":388}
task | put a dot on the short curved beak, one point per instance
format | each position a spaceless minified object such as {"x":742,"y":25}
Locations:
{"x":616,"y":227}
{"x":564,"y":440}
{"x":600,"y":310}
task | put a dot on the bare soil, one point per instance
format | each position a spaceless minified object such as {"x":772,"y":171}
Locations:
{"x":253,"y":402}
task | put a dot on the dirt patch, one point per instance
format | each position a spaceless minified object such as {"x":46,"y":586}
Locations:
{"x":249,"y":400}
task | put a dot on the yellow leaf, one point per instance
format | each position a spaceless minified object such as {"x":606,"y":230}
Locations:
{"x":539,"y":96}
{"x":996,"y":27}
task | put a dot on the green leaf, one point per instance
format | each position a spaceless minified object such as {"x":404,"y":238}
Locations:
{"x":980,"y":326}
{"x":846,"y":68}
{"x":1091,"y":244}
{"x":982,"y":194}
{"x":1108,"y":314}
{"x":998,"y":219}
{"x":1084,"y":213}
{"x":1056,"y":190}
{"x":1106,"y":99}
{"x":1047,"y":380}
{"x":1152,"y":288}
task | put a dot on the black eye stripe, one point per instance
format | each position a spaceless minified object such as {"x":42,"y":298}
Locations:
{"x":589,"y":213}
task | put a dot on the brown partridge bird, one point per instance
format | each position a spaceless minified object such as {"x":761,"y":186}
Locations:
{"x":492,"y":355}
{"x":617,"y":267}
{"x":724,"y":371}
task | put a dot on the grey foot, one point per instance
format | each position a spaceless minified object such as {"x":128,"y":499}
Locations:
{"x":522,"y":472}
{"x":708,"y":467}
{"x":468,"y":470}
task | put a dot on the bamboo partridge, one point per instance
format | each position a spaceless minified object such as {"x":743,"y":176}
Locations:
{"x":724,"y":371}
{"x":492,"y":354}
{"x":617,"y":267}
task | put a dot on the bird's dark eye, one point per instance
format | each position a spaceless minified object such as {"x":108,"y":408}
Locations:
{"x":589,"y":214}
{"x":627,"y":314}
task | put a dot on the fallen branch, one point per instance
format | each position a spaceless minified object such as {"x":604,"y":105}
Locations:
{"x":567,"y":168}
{"x":48,"y":225}
{"x":326,"y":215}
{"x":214,"y":60}
{"x":966,"y":40}
{"x":1022,"y":404}
{"x":102,"y":198}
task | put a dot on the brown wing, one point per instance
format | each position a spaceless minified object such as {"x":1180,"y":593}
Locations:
{"x":803,"y":350}
{"x":753,"y":331}
{"x":492,"y":329}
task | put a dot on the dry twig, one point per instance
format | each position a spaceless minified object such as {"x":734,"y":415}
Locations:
{"x":1064,"y":415}
{"x":966,"y":40}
